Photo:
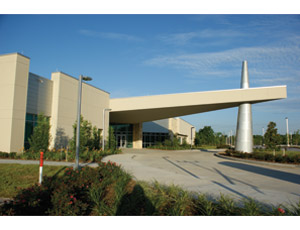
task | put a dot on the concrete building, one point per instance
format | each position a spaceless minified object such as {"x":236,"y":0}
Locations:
{"x":148,"y":119}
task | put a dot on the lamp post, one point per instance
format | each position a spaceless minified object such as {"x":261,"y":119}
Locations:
{"x":263,"y":134}
{"x":81,"y":78}
{"x":103,"y":136}
{"x":192,"y":136}
{"x":287,"y":131}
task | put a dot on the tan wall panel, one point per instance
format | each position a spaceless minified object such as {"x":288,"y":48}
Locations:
{"x":64,"y":105}
{"x":5,"y":134}
{"x":13,"y":94}
{"x":185,"y":129}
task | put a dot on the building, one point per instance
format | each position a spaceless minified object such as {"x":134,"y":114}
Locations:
{"x":138,"y":121}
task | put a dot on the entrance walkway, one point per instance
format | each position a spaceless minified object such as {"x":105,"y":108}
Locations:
{"x":201,"y":171}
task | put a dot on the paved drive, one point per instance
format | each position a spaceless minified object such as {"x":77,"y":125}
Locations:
{"x":201,"y":171}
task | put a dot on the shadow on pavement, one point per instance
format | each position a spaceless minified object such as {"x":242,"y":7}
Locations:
{"x":183,"y":169}
{"x":285,"y":176}
{"x":231,"y":181}
{"x":230,"y":189}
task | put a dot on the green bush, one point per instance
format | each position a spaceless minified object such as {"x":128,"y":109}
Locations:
{"x":5,"y":155}
{"x":223,"y":146}
{"x":289,"y":157}
{"x":171,"y":145}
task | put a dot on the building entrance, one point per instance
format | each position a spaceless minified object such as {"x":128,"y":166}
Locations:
{"x":121,"y":140}
{"x":123,"y":135}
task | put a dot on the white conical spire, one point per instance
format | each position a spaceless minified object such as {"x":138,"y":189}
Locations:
{"x":244,"y":134}
{"x":245,"y":77}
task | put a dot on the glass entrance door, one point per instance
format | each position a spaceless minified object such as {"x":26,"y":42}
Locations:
{"x":121,"y":140}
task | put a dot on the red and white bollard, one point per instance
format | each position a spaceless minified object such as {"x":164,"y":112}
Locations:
{"x":41,"y":167}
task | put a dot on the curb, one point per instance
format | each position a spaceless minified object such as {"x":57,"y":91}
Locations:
{"x":256,"y":161}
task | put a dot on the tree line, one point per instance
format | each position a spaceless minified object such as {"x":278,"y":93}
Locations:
{"x":271,"y":138}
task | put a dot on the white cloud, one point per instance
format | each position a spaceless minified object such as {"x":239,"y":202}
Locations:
{"x":184,"y":38}
{"x":265,"y":63}
{"x":114,"y":36}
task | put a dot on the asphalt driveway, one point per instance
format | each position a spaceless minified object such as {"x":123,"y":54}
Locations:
{"x":202,"y":171}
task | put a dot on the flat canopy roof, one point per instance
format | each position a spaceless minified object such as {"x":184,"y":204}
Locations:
{"x":150,"y":108}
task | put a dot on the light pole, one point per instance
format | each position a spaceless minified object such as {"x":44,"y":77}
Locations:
{"x":287,"y":131}
{"x":192,"y":136}
{"x":103,"y":136}
{"x":81,"y":78}
{"x":263,"y":134}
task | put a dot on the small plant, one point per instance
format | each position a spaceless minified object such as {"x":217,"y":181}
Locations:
{"x":204,"y":206}
{"x":227,"y":207}
{"x":251,"y":208}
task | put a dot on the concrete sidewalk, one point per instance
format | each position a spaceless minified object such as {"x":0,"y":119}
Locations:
{"x":36,"y":162}
{"x":201,"y":171}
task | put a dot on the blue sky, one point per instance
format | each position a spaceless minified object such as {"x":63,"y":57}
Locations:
{"x":137,"y":55}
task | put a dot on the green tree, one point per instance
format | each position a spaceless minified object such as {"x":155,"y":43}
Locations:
{"x":96,"y":138}
{"x":272,"y":138}
{"x":40,"y":139}
{"x":257,"y":139}
{"x":89,"y":136}
{"x":296,"y":137}
{"x":205,"y":136}
{"x":220,"y":139}
{"x":112,"y":144}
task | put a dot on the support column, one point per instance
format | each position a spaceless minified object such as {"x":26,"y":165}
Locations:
{"x":244,"y":133}
{"x":137,"y":136}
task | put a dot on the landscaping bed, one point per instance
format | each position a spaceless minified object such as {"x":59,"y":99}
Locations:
{"x":289,"y":157}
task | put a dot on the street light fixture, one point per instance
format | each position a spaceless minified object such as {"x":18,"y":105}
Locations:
{"x":103,"y":136}
{"x":81,"y":78}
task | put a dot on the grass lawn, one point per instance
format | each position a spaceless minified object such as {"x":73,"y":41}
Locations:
{"x":15,"y":176}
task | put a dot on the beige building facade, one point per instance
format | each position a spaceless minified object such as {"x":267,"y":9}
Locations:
{"x":136,"y":120}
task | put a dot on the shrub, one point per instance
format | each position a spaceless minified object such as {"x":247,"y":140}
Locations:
{"x":223,"y":146}
{"x":290,"y":157}
{"x":4,"y":155}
